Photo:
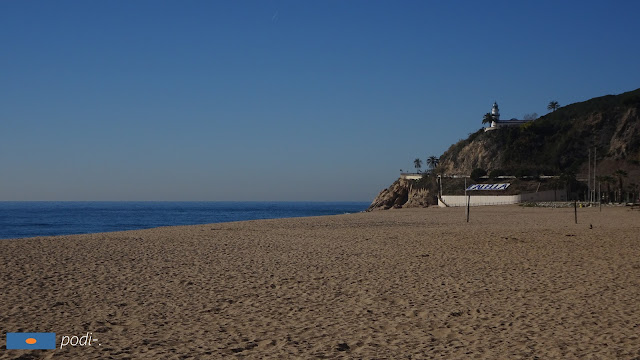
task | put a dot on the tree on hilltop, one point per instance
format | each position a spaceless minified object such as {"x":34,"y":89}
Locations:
{"x":487,"y":119}
{"x":433,"y":162}
{"x":553,"y":105}
{"x":417,"y":163}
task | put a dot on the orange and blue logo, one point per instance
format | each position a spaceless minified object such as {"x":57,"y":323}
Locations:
{"x":31,"y":341}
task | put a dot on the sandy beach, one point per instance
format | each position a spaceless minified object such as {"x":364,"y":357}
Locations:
{"x":514,"y":282}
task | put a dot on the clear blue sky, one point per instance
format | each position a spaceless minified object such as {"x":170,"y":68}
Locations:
{"x":279,"y":100}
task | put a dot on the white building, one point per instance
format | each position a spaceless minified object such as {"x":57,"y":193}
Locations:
{"x":497,"y":123}
{"x":411,"y":176}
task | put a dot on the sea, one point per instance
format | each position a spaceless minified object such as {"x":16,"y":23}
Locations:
{"x":49,"y":218}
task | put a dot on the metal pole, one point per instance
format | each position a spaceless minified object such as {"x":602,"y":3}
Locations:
{"x":468,"y":202}
{"x":575,"y":209}
{"x":589,"y":176}
{"x":599,"y":196}
{"x":595,"y":160}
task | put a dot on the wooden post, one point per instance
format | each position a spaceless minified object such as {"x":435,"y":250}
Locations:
{"x":595,"y":163}
{"x":468,"y":204}
{"x":589,"y":176}
{"x":599,"y":196}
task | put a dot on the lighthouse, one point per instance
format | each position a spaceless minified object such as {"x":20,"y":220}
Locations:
{"x":495,"y":114}
{"x":497,"y":123}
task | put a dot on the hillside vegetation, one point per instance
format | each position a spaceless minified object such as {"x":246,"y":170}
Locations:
{"x":558,"y":142}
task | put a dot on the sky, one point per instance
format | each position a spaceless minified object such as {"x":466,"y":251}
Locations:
{"x":280,"y":100}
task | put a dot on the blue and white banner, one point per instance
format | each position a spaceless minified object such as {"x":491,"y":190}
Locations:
{"x":488,"y":187}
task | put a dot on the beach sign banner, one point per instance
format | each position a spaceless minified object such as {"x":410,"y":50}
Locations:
{"x":488,"y":187}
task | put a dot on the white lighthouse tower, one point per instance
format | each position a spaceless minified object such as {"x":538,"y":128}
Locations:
{"x":495,"y":114}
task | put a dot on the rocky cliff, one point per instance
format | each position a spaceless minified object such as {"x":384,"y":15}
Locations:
{"x":403,"y":193}
{"x":420,"y":197}
{"x":393,"y":197}
{"x":466,"y":155}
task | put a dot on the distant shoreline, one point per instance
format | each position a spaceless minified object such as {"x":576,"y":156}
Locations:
{"x":47,"y":218}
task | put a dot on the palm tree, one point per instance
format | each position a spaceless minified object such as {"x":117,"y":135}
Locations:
{"x":633,"y":187}
{"x":487,"y":119}
{"x":417,"y":163}
{"x":620,"y":174}
{"x":608,"y":180}
{"x":433,"y":162}
{"x":553,"y":105}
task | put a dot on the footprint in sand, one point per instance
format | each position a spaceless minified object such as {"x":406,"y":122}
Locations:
{"x":444,"y":334}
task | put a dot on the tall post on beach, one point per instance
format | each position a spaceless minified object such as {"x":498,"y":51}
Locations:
{"x":595,"y":161}
{"x":599,"y":196}
{"x":589,"y":176}
{"x":465,"y":188}
{"x":468,"y":202}
{"x":575,"y":209}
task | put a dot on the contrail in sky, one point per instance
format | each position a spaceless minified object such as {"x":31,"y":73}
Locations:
{"x":274,"y":18}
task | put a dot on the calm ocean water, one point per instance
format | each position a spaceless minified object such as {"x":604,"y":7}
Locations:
{"x":28,"y":219}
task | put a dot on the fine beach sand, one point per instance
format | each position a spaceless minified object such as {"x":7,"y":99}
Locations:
{"x":513,"y":283}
